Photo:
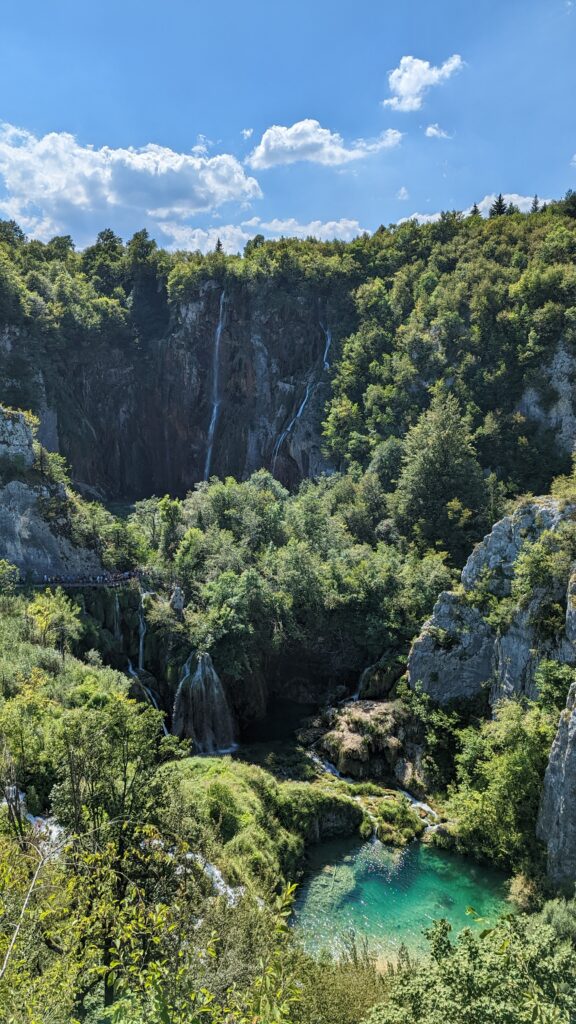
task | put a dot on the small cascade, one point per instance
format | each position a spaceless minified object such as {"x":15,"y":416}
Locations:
{"x":149,"y":694}
{"x":288,"y":430}
{"x":201,"y":711}
{"x":327,"y":347}
{"x":215,"y":388}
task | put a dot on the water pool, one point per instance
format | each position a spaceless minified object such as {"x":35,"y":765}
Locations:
{"x":389,"y":896}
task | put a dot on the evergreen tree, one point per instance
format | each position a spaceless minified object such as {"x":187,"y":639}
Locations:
{"x":219,"y":246}
{"x":498,"y":207}
{"x":475,"y":211}
{"x":441,"y":494}
{"x":535,"y":204}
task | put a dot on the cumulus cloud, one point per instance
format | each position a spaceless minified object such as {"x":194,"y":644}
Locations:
{"x":403,"y":193}
{"x":342,"y":229}
{"x":308,"y":140}
{"x":50,"y":181}
{"x":247,"y":133}
{"x":182,"y":236}
{"x":413,"y":77}
{"x":524,"y":204}
{"x":421,"y":218}
{"x":434,"y":131}
{"x":235,"y":236}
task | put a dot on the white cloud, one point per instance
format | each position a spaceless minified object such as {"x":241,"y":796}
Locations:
{"x":342,"y":229}
{"x":410,"y":80}
{"x":232,"y":236}
{"x":51,"y":182}
{"x":235,"y":236}
{"x":422,"y":218}
{"x":247,"y":133}
{"x":307,"y":140}
{"x":434,"y":131}
{"x":524,"y":204}
{"x":403,"y":193}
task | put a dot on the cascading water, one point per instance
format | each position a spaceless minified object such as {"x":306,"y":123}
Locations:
{"x":150,"y":695}
{"x":117,"y":618}
{"x":215,"y":388}
{"x":309,"y":390}
{"x":201,"y":711}
{"x":288,"y":430}
{"x":327,"y":346}
{"x":142,"y":628}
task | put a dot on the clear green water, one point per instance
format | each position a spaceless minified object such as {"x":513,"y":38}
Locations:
{"x":390,"y":896}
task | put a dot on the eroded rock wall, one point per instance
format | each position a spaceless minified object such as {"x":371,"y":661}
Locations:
{"x":557,"y":818}
{"x":460,"y":651}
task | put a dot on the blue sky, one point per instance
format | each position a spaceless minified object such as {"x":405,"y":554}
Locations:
{"x":293,"y":117}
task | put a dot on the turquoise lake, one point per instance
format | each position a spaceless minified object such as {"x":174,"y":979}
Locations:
{"x":389,"y":896}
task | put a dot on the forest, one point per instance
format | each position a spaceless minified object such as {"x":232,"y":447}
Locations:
{"x":145,"y":876}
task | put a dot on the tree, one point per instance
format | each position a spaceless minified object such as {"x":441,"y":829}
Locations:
{"x":498,"y":207}
{"x":57,"y":619}
{"x":535,"y":205}
{"x":219,"y":247}
{"x":475,"y":211}
{"x":9,"y":577}
{"x":441,"y":495}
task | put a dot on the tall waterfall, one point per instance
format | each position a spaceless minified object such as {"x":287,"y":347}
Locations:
{"x":142,"y":630}
{"x":201,"y":711}
{"x":327,"y":346}
{"x":288,"y":430}
{"x":148,"y":693}
{"x":215,"y":388}
{"x":117,"y":618}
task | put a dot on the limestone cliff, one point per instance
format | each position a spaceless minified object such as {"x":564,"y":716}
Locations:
{"x":557,"y":819}
{"x":31,"y":538}
{"x":243,"y":367}
{"x":480,"y":637}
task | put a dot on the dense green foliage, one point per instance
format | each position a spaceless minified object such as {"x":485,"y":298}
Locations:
{"x":157,"y":891}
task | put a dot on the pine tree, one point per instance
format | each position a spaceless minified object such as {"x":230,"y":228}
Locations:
{"x":498,"y":207}
{"x":219,"y":246}
{"x":441,"y":495}
{"x":475,"y":211}
{"x":535,"y":205}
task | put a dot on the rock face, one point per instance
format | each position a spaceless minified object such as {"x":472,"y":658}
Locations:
{"x":137,"y":419}
{"x":458,"y":652}
{"x":560,"y":415}
{"x":28,"y":538}
{"x":16,"y":438}
{"x":557,"y":818}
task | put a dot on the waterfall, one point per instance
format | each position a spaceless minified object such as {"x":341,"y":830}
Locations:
{"x":215,"y":387}
{"x":117,"y":618}
{"x":327,"y":346}
{"x":149,"y":694}
{"x":142,"y":628}
{"x":201,"y":711}
{"x":288,"y":430}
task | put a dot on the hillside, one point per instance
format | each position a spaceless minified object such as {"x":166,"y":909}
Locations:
{"x":337,"y":607}
{"x":115,"y":349}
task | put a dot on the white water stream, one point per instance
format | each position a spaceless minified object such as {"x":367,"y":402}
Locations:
{"x":215,"y":388}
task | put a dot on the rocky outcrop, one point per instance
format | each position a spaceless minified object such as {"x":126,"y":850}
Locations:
{"x":29,"y":538}
{"x":558,"y":413}
{"x":371,"y":740}
{"x":134,"y":419}
{"x":16,"y":438}
{"x":557,"y":818}
{"x":460,"y":651}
